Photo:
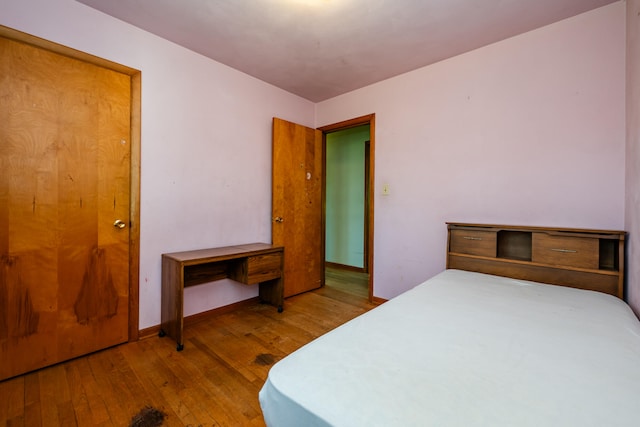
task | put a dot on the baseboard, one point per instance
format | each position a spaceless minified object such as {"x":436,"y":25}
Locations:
{"x":199,"y":317}
{"x":378,"y":300}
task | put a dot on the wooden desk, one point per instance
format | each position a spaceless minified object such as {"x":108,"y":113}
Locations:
{"x":254,"y":263}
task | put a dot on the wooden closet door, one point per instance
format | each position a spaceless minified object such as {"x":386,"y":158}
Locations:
{"x":64,"y":181}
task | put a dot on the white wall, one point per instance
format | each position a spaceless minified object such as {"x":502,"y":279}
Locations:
{"x":206,"y":142}
{"x":527,"y":131}
{"x":632,"y":211}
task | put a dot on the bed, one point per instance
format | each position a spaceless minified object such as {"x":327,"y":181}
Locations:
{"x":467,"y":348}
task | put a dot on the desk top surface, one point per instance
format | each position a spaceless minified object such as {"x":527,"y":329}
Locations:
{"x":227,"y":252}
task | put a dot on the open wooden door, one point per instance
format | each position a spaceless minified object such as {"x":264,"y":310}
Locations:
{"x":297,"y":204}
{"x":65,"y":153}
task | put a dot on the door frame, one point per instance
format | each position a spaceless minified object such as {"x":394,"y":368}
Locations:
{"x":369,"y":119}
{"x":134,"y":201}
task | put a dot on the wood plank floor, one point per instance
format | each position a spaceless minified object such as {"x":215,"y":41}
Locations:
{"x":214,"y":381}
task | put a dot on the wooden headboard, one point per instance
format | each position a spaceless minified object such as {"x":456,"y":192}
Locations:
{"x":579,"y":258}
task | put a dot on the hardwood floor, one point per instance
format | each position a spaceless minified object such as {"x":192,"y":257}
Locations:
{"x":351,"y":282}
{"x":214,"y":381}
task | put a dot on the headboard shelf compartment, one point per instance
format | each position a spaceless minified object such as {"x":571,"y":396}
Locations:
{"x":581,"y":258}
{"x":514,"y":244}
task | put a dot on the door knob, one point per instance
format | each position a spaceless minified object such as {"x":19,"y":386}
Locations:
{"x":119,"y":224}
{"x":278,"y":219}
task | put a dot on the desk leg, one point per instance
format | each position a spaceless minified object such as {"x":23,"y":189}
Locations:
{"x":172,"y":316}
{"x":272,"y":292}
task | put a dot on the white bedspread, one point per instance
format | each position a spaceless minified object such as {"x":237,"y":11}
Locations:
{"x":468,"y":349}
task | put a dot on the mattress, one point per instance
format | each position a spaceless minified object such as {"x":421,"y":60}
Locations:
{"x":468,"y":349}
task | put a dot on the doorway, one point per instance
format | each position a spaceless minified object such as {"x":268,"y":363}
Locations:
{"x":345,"y":198}
{"x":348,"y":206}
{"x":298,"y":189}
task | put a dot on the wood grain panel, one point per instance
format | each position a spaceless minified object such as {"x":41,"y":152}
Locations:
{"x":263,"y":267}
{"x":473,"y":242}
{"x":581,"y":252}
{"x":297,"y":200}
{"x":65,"y":155}
{"x":591,"y":280}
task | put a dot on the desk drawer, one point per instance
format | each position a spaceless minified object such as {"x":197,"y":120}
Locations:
{"x":264,"y":267}
{"x":473,"y":242}
{"x":568,"y":251}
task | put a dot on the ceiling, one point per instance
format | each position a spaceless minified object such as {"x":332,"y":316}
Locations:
{"x":319,"y":49}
